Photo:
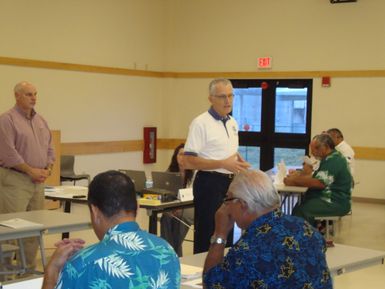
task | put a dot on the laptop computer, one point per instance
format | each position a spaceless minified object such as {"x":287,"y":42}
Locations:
{"x":137,"y":177}
{"x":167,"y":181}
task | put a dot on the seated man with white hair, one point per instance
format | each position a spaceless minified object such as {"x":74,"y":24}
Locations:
{"x":275,"y":250}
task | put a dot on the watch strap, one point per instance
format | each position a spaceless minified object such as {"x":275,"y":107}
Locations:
{"x":217,"y":240}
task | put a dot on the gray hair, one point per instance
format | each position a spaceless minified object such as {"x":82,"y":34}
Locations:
{"x":324,"y":139}
{"x":213,"y":85}
{"x":256,"y":189}
{"x":20,"y":86}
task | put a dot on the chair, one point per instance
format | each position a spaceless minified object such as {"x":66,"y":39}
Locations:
{"x":330,"y":224}
{"x":67,"y":170}
{"x":8,"y":250}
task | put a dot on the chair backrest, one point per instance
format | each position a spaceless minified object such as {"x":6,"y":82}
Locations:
{"x":67,"y":165}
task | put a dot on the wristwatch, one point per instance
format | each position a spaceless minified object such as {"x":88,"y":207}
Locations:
{"x":217,"y":240}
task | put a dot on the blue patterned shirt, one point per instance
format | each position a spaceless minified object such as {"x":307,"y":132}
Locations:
{"x":127,"y":257}
{"x":276,"y":251}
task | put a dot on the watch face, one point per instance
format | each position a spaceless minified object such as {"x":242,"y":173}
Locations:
{"x":217,"y":240}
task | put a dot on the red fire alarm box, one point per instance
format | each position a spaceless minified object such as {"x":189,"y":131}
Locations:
{"x":149,"y":150}
{"x":326,"y":81}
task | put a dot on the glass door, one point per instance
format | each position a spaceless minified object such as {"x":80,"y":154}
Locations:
{"x":274,"y":118}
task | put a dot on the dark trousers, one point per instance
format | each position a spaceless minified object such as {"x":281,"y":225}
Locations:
{"x":209,"y":191}
{"x":315,"y":207}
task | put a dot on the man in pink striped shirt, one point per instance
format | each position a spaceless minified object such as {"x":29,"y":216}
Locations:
{"x":26,"y":159}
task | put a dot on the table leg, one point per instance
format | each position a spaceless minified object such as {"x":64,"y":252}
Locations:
{"x":22,"y":254}
{"x":283,"y":203}
{"x":42,"y":253}
{"x":153,"y":222}
{"x":67,"y":209}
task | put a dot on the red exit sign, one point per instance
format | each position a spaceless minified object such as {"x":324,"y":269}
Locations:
{"x":265,"y":62}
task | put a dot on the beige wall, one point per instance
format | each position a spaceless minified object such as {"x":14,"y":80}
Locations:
{"x":228,"y":35}
{"x":121,"y":33}
{"x":184,"y":35}
{"x":88,"y":106}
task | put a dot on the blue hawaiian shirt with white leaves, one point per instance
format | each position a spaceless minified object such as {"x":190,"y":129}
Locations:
{"x":127,"y":257}
{"x":275,"y":252}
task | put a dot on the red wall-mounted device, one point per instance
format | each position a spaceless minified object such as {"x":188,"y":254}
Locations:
{"x":149,"y":150}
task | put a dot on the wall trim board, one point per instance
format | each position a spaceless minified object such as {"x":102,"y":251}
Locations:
{"x":148,"y":73}
{"x":77,"y":67}
{"x":169,"y":143}
{"x":369,"y":200}
{"x":102,"y":147}
{"x":86,"y":148}
{"x":281,"y":74}
{"x":370,"y":153}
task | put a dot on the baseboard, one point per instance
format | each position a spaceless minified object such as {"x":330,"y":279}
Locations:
{"x":369,"y":200}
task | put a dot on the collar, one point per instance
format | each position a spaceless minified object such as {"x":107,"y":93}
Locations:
{"x":122,"y":227}
{"x":333,"y":152}
{"x":216,"y":116}
{"x":22,"y":112}
{"x":340,"y":144}
{"x":266,"y":218}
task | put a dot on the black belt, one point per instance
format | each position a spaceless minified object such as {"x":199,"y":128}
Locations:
{"x":227,"y":176}
{"x":15,"y":170}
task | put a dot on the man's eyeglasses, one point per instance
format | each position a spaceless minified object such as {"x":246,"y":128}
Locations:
{"x":227,"y":199}
{"x":224,"y":96}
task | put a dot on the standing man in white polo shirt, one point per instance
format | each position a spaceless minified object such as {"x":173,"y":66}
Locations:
{"x":212,"y":149}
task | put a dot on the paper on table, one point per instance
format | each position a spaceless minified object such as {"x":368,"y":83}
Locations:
{"x":185,"y":194}
{"x":53,"y":189}
{"x":282,"y":171}
{"x":190,"y":272}
{"x":196,"y":283}
{"x":18,"y":223}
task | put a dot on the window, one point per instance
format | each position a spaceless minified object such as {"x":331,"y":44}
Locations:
{"x":274,"y":118}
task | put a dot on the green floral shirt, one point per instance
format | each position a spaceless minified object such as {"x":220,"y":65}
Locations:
{"x":127,"y":257}
{"x":334,"y":173}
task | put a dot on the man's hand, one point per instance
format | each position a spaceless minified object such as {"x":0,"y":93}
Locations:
{"x":223,"y":222}
{"x":38,"y":176}
{"x":303,"y":181}
{"x":77,"y":242}
{"x":307,"y":169}
{"x":290,"y":179}
{"x":235,"y":163}
{"x":65,"y":249}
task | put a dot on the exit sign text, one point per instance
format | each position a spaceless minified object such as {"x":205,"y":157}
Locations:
{"x":264,"y":62}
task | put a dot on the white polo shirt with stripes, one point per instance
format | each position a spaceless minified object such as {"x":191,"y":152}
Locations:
{"x":212,"y":137}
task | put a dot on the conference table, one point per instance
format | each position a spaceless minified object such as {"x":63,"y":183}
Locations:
{"x":290,"y":195}
{"x":77,"y":194}
{"x":340,"y":258}
{"x":45,"y":221}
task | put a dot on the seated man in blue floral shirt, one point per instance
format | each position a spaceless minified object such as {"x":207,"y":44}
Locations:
{"x":275,"y":250}
{"x":126,"y":256}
